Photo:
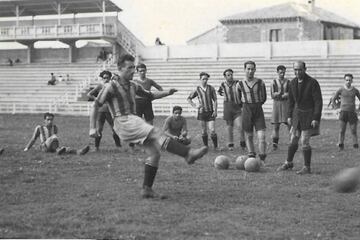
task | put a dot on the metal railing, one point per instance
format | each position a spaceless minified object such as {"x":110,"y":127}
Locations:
{"x":57,"y":31}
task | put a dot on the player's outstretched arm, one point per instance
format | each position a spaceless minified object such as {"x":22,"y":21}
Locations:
{"x":35,"y":135}
{"x":161,"y":94}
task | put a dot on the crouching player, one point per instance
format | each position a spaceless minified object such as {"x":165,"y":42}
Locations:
{"x":175,"y":126}
{"x":347,"y":94}
{"x":119,"y":95}
{"x":49,"y":139}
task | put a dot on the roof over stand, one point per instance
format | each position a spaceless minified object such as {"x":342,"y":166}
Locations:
{"x":14,"y":8}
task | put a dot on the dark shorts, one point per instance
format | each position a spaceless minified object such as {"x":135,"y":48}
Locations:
{"x":253,"y":116}
{"x":347,"y":116}
{"x":144,"y":108}
{"x":231,"y":111}
{"x":205,"y":116}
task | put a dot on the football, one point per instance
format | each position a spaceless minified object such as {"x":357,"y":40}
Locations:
{"x":347,"y":180}
{"x":222,"y":162}
{"x":252,"y":165}
{"x":240,"y":162}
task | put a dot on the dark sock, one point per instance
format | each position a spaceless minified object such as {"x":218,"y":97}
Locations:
{"x":97,"y":142}
{"x":117,"y":140}
{"x":275,"y":141}
{"x":341,"y":146}
{"x":177,"y":148}
{"x":252,"y":154}
{"x":230,"y":145}
{"x":307,"y":157}
{"x":149,"y":175}
{"x":262,"y":157}
{"x":291,"y":152}
{"x":205,"y":139}
{"x":243,"y":144}
{"x":214,"y":139}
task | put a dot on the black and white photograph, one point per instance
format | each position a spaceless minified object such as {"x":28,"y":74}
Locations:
{"x":179,"y":119}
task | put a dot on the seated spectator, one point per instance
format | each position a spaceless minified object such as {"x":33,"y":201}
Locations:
{"x":158,"y":42}
{"x":61,"y":78}
{"x":10,"y":62}
{"x":49,"y":140}
{"x":17,"y":60}
{"x":175,"y":126}
{"x":68,"y":79}
{"x":52,"y":80}
{"x":102,"y":55}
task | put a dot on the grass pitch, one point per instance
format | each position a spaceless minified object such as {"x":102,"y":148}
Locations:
{"x":43,"y":195}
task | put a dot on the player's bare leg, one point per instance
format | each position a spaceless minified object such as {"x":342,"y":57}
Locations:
{"x":230,"y":132}
{"x":353,"y":130}
{"x":342,"y":135}
{"x":249,"y":137}
{"x":262,"y":144}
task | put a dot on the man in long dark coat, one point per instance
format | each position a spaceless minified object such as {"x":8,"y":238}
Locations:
{"x":305,"y":106}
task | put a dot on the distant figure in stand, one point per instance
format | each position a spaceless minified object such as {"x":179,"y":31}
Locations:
{"x":52,"y":80}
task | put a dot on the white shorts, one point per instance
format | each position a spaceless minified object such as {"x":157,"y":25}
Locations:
{"x":131,"y":128}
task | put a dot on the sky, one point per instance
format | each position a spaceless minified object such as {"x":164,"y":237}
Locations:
{"x":176,"y":21}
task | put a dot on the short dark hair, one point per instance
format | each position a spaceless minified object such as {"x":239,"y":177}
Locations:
{"x":280,"y":67}
{"x":177,"y":108}
{"x":349,"y":75}
{"x":204,"y":74}
{"x":47,"y":114}
{"x":123,"y":58}
{"x":105,"y":72}
{"x":249,"y":62}
{"x":140,"y":65}
{"x":228,"y":70}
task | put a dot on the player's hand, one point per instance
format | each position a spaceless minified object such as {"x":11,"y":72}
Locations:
{"x":172,"y":91}
{"x":214,"y":114}
{"x":26,"y":149}
{"x":289,"y":121}
{"x":94,"y":133}
{"x":314,"y":123}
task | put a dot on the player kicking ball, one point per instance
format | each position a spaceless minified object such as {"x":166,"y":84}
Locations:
{"x":119,"y":94}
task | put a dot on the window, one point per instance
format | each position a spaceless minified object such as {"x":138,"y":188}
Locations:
{"x":275,"y":35}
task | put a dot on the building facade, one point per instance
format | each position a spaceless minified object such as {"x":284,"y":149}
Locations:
{"x":284,"y":22}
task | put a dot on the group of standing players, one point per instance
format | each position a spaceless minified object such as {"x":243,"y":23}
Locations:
{"x":297,"y":103}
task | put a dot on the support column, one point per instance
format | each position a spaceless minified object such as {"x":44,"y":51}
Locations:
{"x":72,"y":49}
{"x":30,"y":51}
{"x":103,"y":11}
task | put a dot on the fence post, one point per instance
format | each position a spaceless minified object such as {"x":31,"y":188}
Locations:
{"x":14,"y":108}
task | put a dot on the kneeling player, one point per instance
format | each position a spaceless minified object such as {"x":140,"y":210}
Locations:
{"x":49,"y":140}
{"x":175,"y":126}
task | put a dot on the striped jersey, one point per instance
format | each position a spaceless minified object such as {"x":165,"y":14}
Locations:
{"x":206,"y":97}
{"x":347,"y":98}
{"x":44,"y":133}
{"x":120,"y":96}
{"x":279,"y":86}
{"x":252,"y":92}
{"x":230,"y":92}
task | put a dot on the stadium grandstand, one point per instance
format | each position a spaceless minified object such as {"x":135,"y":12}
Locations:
{"x":23,"y":85}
